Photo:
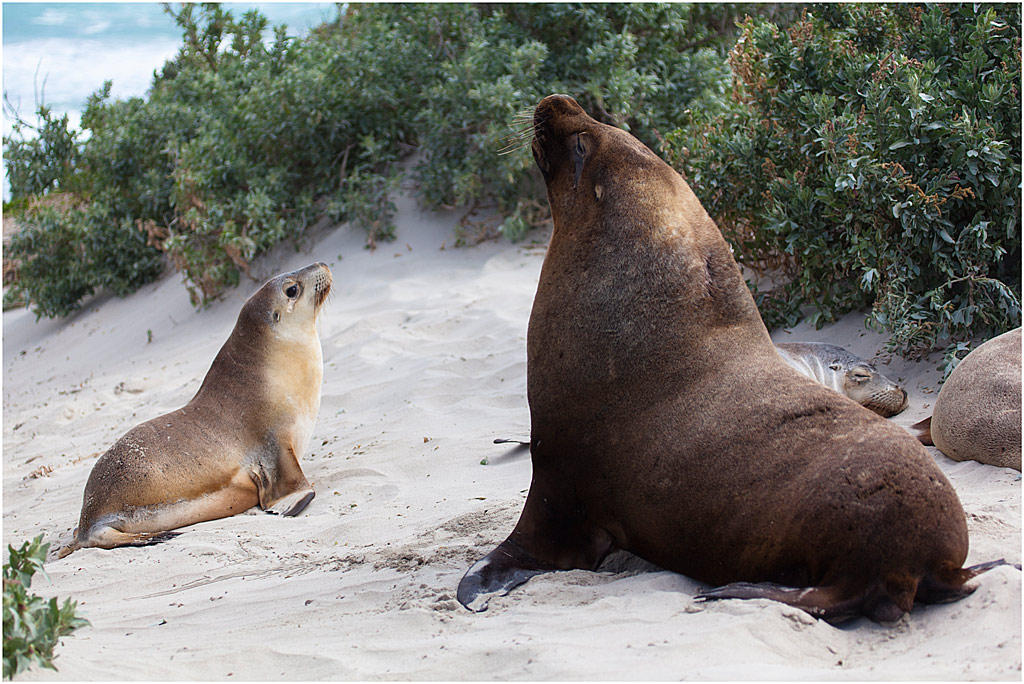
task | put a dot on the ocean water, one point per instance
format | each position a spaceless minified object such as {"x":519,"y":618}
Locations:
{"x":61,"y":52}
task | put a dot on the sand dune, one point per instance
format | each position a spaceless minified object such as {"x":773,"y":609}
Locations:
{"x":425,"y":364}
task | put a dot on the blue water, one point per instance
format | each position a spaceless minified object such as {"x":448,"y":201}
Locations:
{"x":60,"y":53}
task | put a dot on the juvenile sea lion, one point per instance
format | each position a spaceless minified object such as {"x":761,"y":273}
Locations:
{"x":977,"y":413}
{"x":846,"y":373}
{"x":236,"y":444}
{"x":664,"y":422}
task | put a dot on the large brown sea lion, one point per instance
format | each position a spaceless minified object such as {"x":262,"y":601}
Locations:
{"x":977,"y":413}
{"x":236,"y":444}
{"x":664,"y":422}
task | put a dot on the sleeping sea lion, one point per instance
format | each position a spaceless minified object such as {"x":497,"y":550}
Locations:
{"x":664,"y":422}
{"x":977,"y":413}
{"x":846,"y":373}
{"x":236,"y":444}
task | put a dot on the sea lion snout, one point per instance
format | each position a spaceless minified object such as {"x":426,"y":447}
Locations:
{"x":866,"y":385}
{"x":548,"y":131}
{"x":322,"y":280}
{"x":560,"y":105}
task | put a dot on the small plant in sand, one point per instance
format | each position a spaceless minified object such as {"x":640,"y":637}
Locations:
{"x":32,"y":625}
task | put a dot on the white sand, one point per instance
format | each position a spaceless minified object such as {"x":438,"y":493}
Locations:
{"x":425,"y":354}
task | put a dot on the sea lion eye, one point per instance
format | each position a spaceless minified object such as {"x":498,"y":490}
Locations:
{"x":292,"y":291}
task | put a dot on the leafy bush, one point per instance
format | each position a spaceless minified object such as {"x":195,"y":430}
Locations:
{"x":32,"y":625}
{"x":36,"y":165}
{"x":67,"y":253}
{"x":636,"y":66}
{"x":872,"y":157}
{"x":241,"y":143}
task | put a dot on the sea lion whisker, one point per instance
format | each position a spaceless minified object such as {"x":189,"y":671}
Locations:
{"x":524,"y":131}
{"x":519,"y":137}
{"x":524,"y":113}
{"x":515,"y":147}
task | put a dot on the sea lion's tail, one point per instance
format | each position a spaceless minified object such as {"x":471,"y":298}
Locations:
{"x":924,"y":431}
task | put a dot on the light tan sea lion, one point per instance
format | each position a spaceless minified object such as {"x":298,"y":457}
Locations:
{"x":846,"y":373}
{"x":664,"y":422}
{"x":977,"y":413}
{"x":236,"y":444}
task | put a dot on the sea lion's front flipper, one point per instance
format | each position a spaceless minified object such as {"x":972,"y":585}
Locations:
{"x":292,"y":504}
{"x":282,"y":487}
{"x":520,"y":442}
{"x":553,"y":533}
{"x":497,"y":573}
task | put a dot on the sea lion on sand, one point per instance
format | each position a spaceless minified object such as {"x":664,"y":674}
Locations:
{"x":977,"y":413}
{"x":236,"y":444}
{"x":846,"y":373}
{"x":664,"y":422}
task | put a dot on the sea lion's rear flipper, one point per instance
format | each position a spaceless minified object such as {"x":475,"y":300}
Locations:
{"x":106,"y":537}
{"x":821,"y":602}
{"x":498,"y":573}
{"x":924,"y":431}
{"x":951,"y":586}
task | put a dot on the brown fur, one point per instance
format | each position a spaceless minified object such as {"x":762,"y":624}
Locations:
{"x":664,"y":422}
{"x":977,"y":413}
{"x":236,"y":444}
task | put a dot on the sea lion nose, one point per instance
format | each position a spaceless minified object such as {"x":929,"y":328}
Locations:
{"x":555,"y":105}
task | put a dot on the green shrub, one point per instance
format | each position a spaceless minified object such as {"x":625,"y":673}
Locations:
{"x":37,"y":165}
{"x":636,"y":66}
{"x":68,"y":253}
{"x":872,"y":158}
{"x":32,"y":625}
{"x":241,"y":143}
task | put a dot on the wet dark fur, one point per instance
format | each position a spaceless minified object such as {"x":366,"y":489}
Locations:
{"x":664,"y":422}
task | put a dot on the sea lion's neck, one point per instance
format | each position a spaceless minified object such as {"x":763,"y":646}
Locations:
{"x":640,"y":301}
